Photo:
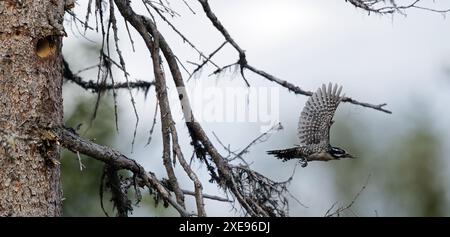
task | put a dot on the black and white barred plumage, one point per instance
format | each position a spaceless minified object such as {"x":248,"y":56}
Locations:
{"x":314,"y":128}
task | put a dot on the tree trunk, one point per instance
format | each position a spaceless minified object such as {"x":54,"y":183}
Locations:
{"x":30,"y":101}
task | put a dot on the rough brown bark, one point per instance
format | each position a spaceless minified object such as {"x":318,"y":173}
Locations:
{"x":30,"y":100}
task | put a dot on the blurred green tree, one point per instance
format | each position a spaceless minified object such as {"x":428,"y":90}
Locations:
{"x":406,"y":171}
{"x":81,"y":188}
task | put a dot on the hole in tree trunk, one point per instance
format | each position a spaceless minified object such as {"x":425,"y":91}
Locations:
{"x":46,"y":47}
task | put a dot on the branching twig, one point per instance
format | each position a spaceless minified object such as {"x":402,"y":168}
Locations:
{"x":153,"y":124}
{"x":227,"y":176}
{"x":184,"y":38}
{"x":215,"y":21}
{"x":298,"y":90}
{"x":143,"y":26}
{"x":207,"y":196}
{"x":75,"y":143}
{"x":256,"y":194}
{"x":390,"y":7}
{"x":191,"y":193}
{"x":242,"y":62}
{"x":239,"y":155}
{"x":79,"y":161}
{"x":264,"y":135}
{"x":113,"y":22}
{"x":339,"y":210}
{"x":118,"y":196}
{"x":95,"y":87}
{"x":169,"y":125}
{"x":199,"y":67}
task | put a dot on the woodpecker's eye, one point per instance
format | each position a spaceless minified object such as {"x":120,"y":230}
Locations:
{"x":337,"y":152}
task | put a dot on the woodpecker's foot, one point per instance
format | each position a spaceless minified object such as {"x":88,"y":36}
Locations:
{"x":303,"y":162}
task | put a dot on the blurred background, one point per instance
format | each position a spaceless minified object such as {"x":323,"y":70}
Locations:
{"x":404,"y":61}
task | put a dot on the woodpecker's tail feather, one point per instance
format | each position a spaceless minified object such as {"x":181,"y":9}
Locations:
{"x":285,"y":154}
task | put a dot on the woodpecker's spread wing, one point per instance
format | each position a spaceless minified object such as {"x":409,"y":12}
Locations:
{"x":316,"y":117}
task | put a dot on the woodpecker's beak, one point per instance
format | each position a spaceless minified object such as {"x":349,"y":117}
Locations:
{"x":350,"y":156}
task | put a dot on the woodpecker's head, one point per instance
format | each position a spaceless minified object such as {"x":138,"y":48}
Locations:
{"x":339,"y":153}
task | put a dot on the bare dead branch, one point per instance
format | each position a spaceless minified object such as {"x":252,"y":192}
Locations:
{"x":80,"y":164}
{"x":242,"y":62}
{"x":239,"y":155}
{"x":166,"y":118}
{"x":162,"y":7}
{"x":196,"y":131}
{"x":72,"y":141}
{"x":88,"y":13}
{"x":260,"y":138}
{"x":215,"y":21}
{"x":168,"y":128}
{"x":207,"y":196}
{"x":113,"y":22}
{"x":153,"y":124}
{"x":169,"y":125}
{"x":391,"y":6}
{"x":129,"y":36}
{"x":202,"y":143}
{"x":298,"y":90}
{"x":191,"y":193}
{"x":193,"y":12}
{"x":339,"y":210}
{"x":256,"y":188}
{"x":85,"y":69}
{"x":182,"y":65}
{"x":230,"y":152}
{"x":184,"y":38}
{"x":146,"y":28}
{"x":256,"y":194}
{"x":199,"y":67}
{"x":76,"y":19}
{"x":95,"y":87}
{"x":137,"y":22}
{"x":118,"y":195}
